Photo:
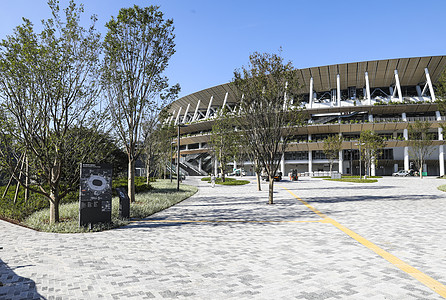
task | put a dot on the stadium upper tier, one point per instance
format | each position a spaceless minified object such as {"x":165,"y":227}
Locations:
{"x":333,"y":87}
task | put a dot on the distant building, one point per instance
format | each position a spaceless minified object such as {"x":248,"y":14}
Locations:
{"x":382,"y":95}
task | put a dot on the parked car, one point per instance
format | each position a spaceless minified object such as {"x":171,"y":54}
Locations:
{"x":402,"y":173}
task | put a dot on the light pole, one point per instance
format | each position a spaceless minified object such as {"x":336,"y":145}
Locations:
{"x":359,"y":144}
{"x":170,"y":160}
{"x":178,"y":155}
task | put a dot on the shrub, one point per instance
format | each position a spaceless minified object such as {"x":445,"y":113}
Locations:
{"x":20,"y":210}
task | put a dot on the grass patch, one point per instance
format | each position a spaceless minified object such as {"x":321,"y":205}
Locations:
{"x":442,"y":188}
{"x":356,"y":180}
{"x":357,"y":176}
{"x":162,"y":196}
{"x":228,"y":181}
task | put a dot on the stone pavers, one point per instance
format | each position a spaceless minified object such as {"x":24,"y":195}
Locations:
{"x":183,"y":253}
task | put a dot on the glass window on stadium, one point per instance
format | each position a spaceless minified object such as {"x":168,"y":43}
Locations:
{"x":194,"y":146}
{"x":296,"y":155}
{"x":409,"y":91}
{"x":351,"y":154}
{"x":352,"y":92}
{"x":386,"y":154}
{"x":318,"y":154}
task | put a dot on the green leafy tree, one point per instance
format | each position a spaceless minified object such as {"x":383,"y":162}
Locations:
{"x":332,"y":146}
{"x":48,"y":89}
{"x":269,"y":89}
{"x":420,"y":143}
{"x":224,"y":140}
{"x":371,"y":148}
{"x":138,"y":46}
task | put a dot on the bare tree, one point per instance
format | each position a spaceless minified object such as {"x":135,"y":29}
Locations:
{"x":138,"y":46}
{"x":48,"y":90}
{"x":420,"y":142}
{"x":270,"y":108}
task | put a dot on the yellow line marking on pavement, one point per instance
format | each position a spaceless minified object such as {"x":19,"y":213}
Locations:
{"x":223,"y":221}
{"x":306,"y":204}
{"x":428,"y":281}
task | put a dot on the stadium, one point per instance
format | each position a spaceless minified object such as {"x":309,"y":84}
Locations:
{"x":381,"y":95}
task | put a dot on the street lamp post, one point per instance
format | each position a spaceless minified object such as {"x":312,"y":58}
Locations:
{"x":178,"y":155}
{"x":170,"y":160}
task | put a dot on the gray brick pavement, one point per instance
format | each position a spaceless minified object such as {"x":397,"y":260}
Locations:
{"x":180,"y":259}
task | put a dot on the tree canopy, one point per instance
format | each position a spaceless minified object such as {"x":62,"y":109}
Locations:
{"x":138,"y":46}
{"x":48,"y":89}
{"x":268,"y":88}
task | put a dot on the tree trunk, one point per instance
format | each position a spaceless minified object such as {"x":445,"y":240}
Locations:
{"x":54,"y":207}
{"x":148,"y":173}
{"x":222,"y":173}
{"x":259,"y":184}
{"x":131,"y":180}
{"x":271,"y":190}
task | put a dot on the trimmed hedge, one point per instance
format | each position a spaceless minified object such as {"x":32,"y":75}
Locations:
{"x":228,"y":181}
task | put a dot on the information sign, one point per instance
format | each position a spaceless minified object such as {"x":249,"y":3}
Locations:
{"x":95,"y":195}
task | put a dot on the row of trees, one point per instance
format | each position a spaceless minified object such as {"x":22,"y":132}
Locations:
{"x":64,"y":89}
{"x":269,"y":115}
{"x":420,"y":142}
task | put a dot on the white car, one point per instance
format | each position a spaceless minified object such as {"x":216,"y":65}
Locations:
{"x":401,"y":173}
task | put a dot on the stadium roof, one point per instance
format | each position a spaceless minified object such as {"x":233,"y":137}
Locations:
{"x":380,"y":72}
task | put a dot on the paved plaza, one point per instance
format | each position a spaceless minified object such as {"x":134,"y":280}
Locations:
{"x":321,"y":240}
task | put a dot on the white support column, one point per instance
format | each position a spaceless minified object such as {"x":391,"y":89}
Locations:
{"x":367,"y":88}
{"x":341,"y":159}
{"x":172,"y":116}
{"x":398,"y":86}
{"x":216,"y":167}
{"x":185,"y":114}
{"x":371,"y":118}
{"x":178,"y":116}
{"x":200,"y":162}
{"x":209,"y":107}
{"x":224,"y":102}
{"x":441,"y":147}
{"x":372,"y":168}
{"x":404,"y":117}
{"x":429,"y":82}
{"x":406,"y":148}
{"x":338,"y":89}
{"x":417,"y":87}
{"x":310,"y":158}
{"x":310,"y":162}
{"x":196,"y":111}
{"x":311,"y":92}
{"x":282,"y":164}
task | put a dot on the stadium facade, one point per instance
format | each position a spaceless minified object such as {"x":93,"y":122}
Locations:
{"x":381,"y":95}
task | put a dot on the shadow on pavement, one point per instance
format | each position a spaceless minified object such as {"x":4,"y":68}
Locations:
{"x":13,"y":286}
{"x":368,"y":198}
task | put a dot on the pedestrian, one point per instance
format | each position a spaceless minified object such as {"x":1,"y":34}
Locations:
{"x":213,"y":180}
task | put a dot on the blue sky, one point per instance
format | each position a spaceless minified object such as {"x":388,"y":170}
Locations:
{"x":215,"y":37}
